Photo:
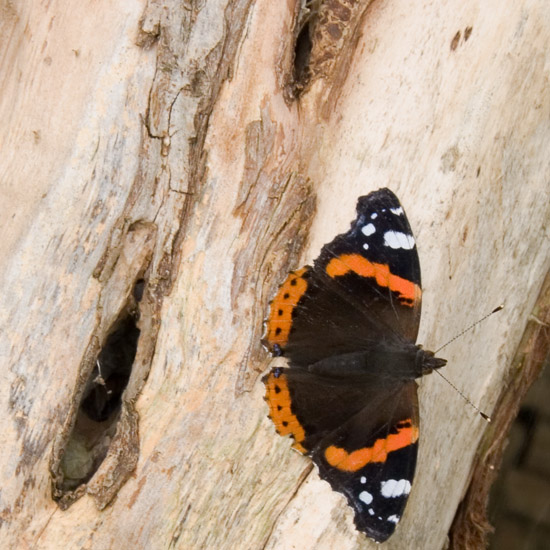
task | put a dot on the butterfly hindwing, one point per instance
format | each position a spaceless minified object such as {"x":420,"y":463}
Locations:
{"x":308,"y":407}
{"x":371,"y":459}
{"x":363,"y":438}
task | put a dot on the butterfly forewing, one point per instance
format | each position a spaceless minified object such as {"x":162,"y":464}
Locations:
{"x":374,"y":267}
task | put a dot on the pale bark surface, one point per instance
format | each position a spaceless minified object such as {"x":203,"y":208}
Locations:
{"x":161,"y":141}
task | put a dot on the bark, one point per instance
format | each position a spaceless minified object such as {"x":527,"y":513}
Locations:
{"x":163,"y":165}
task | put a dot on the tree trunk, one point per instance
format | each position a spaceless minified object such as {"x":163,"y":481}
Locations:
{"x":163,"y":165}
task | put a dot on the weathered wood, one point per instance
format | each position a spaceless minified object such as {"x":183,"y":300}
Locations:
{"x":471,"y":527}
{"x":171,"y":143}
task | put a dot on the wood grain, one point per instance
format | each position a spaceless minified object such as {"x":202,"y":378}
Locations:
{"x":175,"y":118}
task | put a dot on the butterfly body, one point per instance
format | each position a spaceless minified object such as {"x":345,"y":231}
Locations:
{"x":348,"y":326}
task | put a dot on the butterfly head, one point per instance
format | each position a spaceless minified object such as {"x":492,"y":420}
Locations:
{"x":426,"y":361}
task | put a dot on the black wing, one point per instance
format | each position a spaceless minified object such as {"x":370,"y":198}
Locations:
{"x":364,"y":289}
{"x":363,"y":438}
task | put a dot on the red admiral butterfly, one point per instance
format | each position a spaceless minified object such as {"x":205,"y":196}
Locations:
{"x":348,"y":327}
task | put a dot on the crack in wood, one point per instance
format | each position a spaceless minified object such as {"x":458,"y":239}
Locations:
{"x":301,"y":480}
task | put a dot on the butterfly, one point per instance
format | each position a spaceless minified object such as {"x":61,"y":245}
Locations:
{"x":347,"y":326}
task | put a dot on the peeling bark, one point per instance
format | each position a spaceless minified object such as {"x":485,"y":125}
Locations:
{"x":167,"y":163}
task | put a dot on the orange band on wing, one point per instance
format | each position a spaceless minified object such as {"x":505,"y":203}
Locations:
{"x":407,"y":434}
{"x":408,"y":291}
{"x":278,"y":399}
{"x":280,"y":314}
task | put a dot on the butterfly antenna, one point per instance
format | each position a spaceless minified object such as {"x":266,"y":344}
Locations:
{"x":468,"y":329}
{"x":483,"y":415}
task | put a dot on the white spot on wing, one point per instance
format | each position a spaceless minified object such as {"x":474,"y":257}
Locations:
{"x":365,"y":246}
{"x":397,"y":211}
{"x":363,"y":479}
{"x":371,"y":511}
{"x":394,"y":519}
{"x":365,"y":496}
{"x":396,"y":239}
{"x":368,"y":229}
{"x":393,"y":488}
{"x":373,"y":216}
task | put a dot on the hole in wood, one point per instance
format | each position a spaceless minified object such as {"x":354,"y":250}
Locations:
{"x":302,"y":55}
{"x":99,"y":410}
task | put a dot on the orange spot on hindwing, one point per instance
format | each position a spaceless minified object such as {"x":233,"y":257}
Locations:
{"x":278,"y":398}
{"x":279,"y":321}
{"x":407,"y":434}
{"x":409,"y":292}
